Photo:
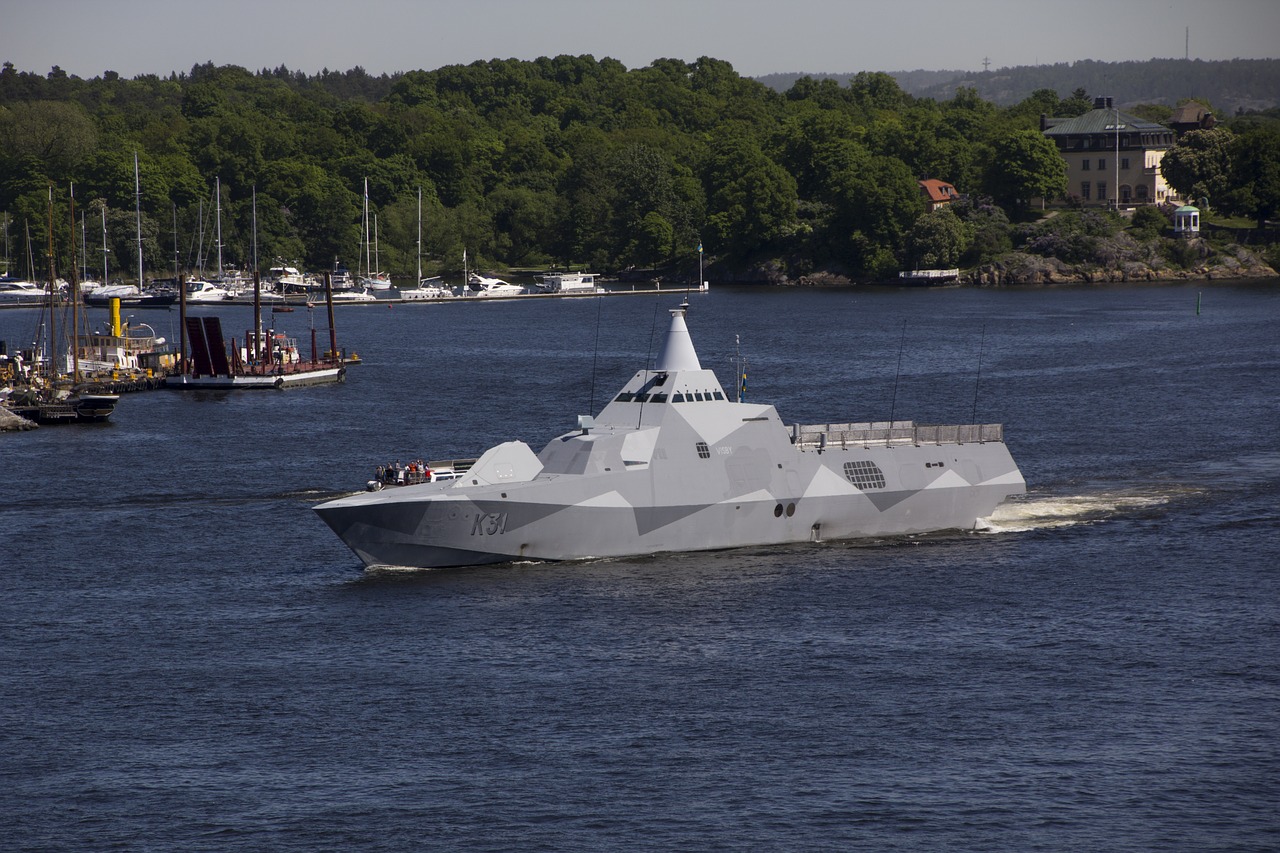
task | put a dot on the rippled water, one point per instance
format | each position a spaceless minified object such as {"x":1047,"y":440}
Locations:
{"x":189,"y":659}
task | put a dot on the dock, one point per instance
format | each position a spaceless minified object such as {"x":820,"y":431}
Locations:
{"x":638,"y":289}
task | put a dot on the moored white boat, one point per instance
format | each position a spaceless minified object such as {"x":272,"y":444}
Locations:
{"x":480,"y":285}
{"x":206,"y":291}
{"x":289,"y":279}
{"x":568,"y":282}
{"x":18,"y":292}
{"x":428,"y":288}
{"x":349,"y":296}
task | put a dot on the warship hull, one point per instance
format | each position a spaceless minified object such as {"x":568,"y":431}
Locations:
{"x":611,"y":515}
{"x":671,"y":464}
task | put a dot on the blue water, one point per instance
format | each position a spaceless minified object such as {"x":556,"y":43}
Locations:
{"x":190,"y":660}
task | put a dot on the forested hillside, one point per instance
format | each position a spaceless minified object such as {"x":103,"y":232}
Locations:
{"x":566,"y":160}
{"x":1232,"y":85}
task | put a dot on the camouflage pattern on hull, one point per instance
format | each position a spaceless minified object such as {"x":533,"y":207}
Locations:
{"x":671,"y":464}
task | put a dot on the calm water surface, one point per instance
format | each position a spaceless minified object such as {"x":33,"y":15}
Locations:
{"x":189,"y":659}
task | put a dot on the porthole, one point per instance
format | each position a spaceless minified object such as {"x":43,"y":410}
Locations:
{"x":777,"y":511}
{"x":791,"y":510}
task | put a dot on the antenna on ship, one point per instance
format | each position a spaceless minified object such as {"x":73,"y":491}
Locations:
{"x":893,"y":404}
{"x":595,"y":356}
{"x":982,"y":341}
{"x":741,"y":364}
{"x":648,"y":358}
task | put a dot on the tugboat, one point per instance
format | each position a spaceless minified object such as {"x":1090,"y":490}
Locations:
{"x":673,"y":464}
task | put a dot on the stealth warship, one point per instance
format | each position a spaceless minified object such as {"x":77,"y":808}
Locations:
{"x":672,"y":463}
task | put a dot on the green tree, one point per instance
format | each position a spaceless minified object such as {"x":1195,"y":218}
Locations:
{"x":937,"y":240}
{"x":874,"y":202}
{"x":751,"y":200}
{"x":1025,"y":165}
{"x":56,"y":136}
{"x":655,"y":239}
{"x":1148,"y":223}
{"x":1255,"y":176}
{"x":1077,"y":105}
{"x":1199,"y":165}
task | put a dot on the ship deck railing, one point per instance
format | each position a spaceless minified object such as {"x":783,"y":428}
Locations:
{"x":412,"y":475}
{"x":891,"y":434}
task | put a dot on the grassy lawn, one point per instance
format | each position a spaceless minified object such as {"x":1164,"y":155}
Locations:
{"x":1228,"y":221}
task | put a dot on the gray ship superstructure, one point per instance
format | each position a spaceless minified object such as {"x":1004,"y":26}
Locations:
{"x":673,"y":464}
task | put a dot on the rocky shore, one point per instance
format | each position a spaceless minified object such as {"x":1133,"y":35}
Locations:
{"x":1206,"y":263}
{"x":9,"y":422}
{"x":1119,"y":258}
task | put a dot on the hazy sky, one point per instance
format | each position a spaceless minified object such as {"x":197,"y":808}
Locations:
{"x":87,"y":37}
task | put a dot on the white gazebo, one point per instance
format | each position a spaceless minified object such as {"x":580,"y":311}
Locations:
{"x":1186,"y":221}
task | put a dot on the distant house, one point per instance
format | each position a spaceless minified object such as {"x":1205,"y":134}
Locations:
{"x":1192,"y":115}
{"x":1113,"y":158}
{"x":937,"y":193}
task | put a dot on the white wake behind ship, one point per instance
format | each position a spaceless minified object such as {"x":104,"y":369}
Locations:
{"x":673,"y":464}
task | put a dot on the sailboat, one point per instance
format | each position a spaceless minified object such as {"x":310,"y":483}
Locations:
{"x":133,"y":296}
{"x":45,"y":398}
{"x":23,"y":291}
{"x":200,"y":289}
{"x":372,"y":279}
{"x":428,"y":288}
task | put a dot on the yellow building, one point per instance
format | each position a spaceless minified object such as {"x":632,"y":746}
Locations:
{"x":1112,"y":158}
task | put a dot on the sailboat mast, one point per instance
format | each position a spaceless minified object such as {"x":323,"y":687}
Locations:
{"x":176,"y":270}
{"x":257,"y":348}
{"x":75,"y":293}
{"x":84,"y":248}
{"x":368,"y":270}
{"x":419,"y":237}
{"x":200,"y":250}
{"x":137,"y":201}
{"x":105,"y":278}
{"x":53,"y":298}
{"x":218,"y":184}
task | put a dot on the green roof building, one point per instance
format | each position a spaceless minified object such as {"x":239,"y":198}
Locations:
{"x":1113,"y":158}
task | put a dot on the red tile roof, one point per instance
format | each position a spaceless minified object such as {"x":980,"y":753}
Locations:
{"x":938,"y":191}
